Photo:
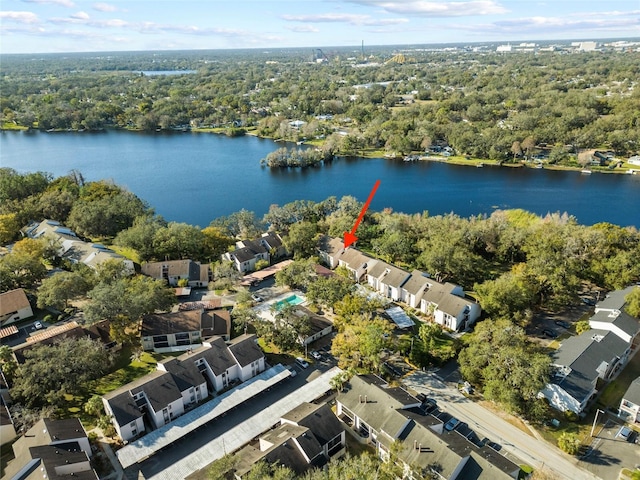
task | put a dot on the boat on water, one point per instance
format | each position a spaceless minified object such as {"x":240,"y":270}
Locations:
{"x":586,"y":172}
{"x":480,"y":165}
{"x":539,"y":165}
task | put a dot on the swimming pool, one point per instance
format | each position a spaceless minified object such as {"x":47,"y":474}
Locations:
{"x":291,"y":300}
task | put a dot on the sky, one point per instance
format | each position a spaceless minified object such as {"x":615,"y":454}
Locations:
{"x":50,"y":26}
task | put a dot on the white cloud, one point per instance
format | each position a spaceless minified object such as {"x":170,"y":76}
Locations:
{"x":554,"y":25}
{"x":19,"y":17}
{"x":437,"y":9}
{"x":350,"y":18}
{"x":105,"y":7}
{"x":63,"y":3}
{"x":80,"y":16}
{"x":303,"y":28}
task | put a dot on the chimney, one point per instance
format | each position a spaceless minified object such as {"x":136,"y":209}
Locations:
{"x":420,"y":447}
{"x":365,"y":399}
{"x":415,"y":444}
{"x":359,"y":398}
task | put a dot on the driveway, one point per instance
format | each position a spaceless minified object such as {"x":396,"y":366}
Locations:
{"x":485,"y":423}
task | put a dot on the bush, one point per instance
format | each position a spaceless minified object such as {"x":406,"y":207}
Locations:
{"x":48,"y":318}
{"x":260,"y":264}
{"x":569,"y":443}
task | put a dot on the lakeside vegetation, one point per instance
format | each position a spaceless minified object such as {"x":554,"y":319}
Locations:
{"x":485,"y":106}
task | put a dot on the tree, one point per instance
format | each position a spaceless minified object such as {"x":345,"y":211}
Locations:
{"x":243,"y":317}
{"x":328,"y":291}
{"x":125,"y":301}
{"x":56,"y":290}
{"x":225,"y":275}
{"x":20,"y":271}
{"x":215,"y":243}
{"x":506,"y":295}
{"x":51,"y":371}
{"x":140,"y":236}
{"x":632,"y":300}
{"x":302,"y":239}
{"x":7,"y":362}
{"x":242,"y":224}
{"x":508,"y":368}
{"x":223,"y":468}
{"x":94,"y":406}
{"x":179,"y":241}
{"x":297,"y":274}
{"x":582,"y":326}
{"x":361,"y":342}
{"x":9,"y":227}
{"x":569,"y":443}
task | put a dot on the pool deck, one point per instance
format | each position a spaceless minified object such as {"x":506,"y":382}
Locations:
{"x":264,"y":309}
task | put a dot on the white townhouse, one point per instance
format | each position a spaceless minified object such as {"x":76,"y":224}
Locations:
{"x":181,"y":383}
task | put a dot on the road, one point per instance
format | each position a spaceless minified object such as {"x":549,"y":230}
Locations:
{"x":534,"y":452}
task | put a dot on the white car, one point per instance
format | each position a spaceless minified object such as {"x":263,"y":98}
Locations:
{"x":256,"y":298}
{"x":301,"y":362}
{"x":38,"y":325}
{"x":316,"y":355}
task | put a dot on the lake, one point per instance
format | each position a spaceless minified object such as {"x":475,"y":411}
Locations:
{"x":196,"y":177}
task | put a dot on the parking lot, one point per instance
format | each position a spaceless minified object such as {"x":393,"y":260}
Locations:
{"x":608,"y":454}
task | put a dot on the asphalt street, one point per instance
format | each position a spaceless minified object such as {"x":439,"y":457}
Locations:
{"x":485,"y":423}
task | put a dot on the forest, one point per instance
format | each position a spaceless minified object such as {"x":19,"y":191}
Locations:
{"x":483,"y":105}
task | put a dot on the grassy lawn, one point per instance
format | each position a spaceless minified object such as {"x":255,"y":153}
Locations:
{"x":124,"y":371}
{"x":582,"y":428}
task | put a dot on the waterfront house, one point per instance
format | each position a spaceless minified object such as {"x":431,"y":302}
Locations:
{"x":172,"y":271}
{"x":308,"y":436}
{"x":630,"y":403}
{"x":74,"y":248}
{"x":52,"y":449}
{"x":183,"y":330}
{"x":269,"y":245}
{"x":14,"y":306}
{"x":380,"y":414}
{"x":446,"y":303}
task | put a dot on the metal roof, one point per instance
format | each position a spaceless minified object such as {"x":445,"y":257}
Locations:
{"x":241,"y":434}
{"x":400,"y":318}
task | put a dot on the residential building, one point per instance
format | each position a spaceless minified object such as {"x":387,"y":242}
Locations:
{"x":7,"y":430}
{"x":98,"y":332}
{"x":446,"y":303}
{"x":72,"y":247}
{"x":308,"y":436}
{"x":183,"y":330}
{"x":179,"y":384}
{"x":381,"y":414}
{"x":449,"y":306}
{"x":630,"y":403}
{"x":14,"y":306}
{"x":172,"y":271}
{"x":585,"y":363}
{"x":248,"y":252}
{"x":52,"y":449}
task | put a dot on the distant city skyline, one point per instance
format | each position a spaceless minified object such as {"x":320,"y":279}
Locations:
{"x":51,"y":26}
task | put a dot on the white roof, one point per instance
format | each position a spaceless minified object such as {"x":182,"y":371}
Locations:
{"x":400,"y":318}
{"x":241,"y":434}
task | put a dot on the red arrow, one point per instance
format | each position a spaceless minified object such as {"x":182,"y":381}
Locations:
{"x":350,"y":237}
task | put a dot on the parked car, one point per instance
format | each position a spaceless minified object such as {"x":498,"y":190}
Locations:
{"x":38,"y":325}
{"x":547,"y":332}
{"x":451,"y":424}
{"x":625,"y":433}
{"x":293,"y":371}
{"x":256,"y":298}
{"x":301,"y":362}
{"x":562,"y":323}
{"x":316,"y":355}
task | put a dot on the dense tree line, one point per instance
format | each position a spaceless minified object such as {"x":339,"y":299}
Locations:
{"x":483,"y":105}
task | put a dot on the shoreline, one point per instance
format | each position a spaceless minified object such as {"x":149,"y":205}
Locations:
{"x":626,"y":169}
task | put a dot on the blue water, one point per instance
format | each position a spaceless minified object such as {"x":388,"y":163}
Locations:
{"x":196,"y":177}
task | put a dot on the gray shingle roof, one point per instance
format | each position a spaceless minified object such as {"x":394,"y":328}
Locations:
{"x":175,"y":268}
{"x":417,"y":282}
{"x":170,"y":323}
{"x":633,"y":392}
{"x":615,"y":300}
{"x":245,"y":349}
{"x":584,"y":355}
{"x":393,"y":276}
{"x":620,"y":319}
{"x":217,"y":355}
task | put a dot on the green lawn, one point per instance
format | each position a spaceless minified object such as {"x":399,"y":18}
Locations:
{"x":124,"y":371}
{"x":612,"y":393}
